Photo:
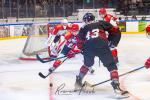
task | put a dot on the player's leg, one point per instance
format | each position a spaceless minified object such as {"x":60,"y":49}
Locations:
{"x":88,"y":62}
{"x":57,"y":63}
{"x":113,"y":49}
{"x":108,"y":61}
{"x":114,"y":53}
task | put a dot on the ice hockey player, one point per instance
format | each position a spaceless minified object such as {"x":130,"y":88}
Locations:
{"x":115,"y":22}
{"x":69,"y":32}
{"x":69,"y":49}
{"x":92,"y":41}
{"x":58,"y":29}
{"x":147,"y":63}
{"x":108,"y":17}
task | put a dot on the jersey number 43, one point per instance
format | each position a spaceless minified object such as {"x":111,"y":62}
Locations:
{"x":92,"y":34}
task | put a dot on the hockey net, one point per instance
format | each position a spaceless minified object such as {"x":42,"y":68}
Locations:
{"x":35,"y":43}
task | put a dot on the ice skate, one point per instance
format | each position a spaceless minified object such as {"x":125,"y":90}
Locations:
{"x":119,"y":93}
{"x":78,"y":84}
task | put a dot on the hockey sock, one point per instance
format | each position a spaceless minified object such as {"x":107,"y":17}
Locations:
{"x":83,"y":71}
{"x":114,"y":75}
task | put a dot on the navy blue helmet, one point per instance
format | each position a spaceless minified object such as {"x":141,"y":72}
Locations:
{"x":88,"y":17}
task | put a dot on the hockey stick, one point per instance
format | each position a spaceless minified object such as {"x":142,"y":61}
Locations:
{"x":52,"y":59}
{"x":45,"y":61}
{"x":44,"y":76}
{"x":119,"y":76}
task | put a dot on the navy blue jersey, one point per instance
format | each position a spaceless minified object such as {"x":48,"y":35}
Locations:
{"x":95,"y":31}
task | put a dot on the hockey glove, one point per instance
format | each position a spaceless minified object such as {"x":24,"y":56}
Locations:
{"x":76,"y":50}
{"x":80,"y":44}
{"x":70,"y":54}
{"x":56,"y":63}
{"x":147,"y":63}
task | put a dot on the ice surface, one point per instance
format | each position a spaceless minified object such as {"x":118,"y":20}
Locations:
{"x":19,"y":80}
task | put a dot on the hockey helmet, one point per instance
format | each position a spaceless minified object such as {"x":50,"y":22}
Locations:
{"x":102,"y":11}
{"x":88,"y":17}
{"x":75,"y":29}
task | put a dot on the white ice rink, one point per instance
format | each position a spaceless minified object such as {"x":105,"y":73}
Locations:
{"x":19,"y":80}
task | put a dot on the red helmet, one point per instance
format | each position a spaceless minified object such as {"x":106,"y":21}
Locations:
{"x":75,"y":27}
{"x":102,"y":11}
{"x":148,"y":29}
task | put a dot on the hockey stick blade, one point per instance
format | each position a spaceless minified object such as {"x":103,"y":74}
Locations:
{"x":134,"y":70}
{"x":41,"y":75}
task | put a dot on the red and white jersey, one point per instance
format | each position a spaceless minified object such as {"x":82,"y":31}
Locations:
{"x":68,"y":37}
{"x":59,"y":28}
{"x":111,"y":19}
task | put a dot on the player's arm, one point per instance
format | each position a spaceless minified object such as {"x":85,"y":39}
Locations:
{"x":114,"y":21}
{"x":114,"y":33}
{"x":81,"y":38}
{"x":113,"y":38}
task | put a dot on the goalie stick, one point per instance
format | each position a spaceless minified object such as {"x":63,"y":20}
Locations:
{"x":136,"y":69}
{"x":44,"y":76}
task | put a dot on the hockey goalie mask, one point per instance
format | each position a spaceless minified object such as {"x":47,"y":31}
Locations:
{"x":75,"y":29}
{"x":148,"y":31}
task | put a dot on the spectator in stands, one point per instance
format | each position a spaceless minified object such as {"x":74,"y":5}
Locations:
{"x":110,"y":3}
{"x":38,"y":9}
{"x":1,"y":9}
{"x":45,"y":7}
{"x":140,"y":7}
{"x":30,"y":9}
{"x":14,"y":9}
{"x":134,"y":17}
{"x":126,"y":18}
{"x":143,"y":18}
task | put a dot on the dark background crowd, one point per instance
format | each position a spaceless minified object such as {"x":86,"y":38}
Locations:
{"x":64,"y":8}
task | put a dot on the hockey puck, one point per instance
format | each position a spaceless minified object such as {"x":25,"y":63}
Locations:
{"x":51,"y":84}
